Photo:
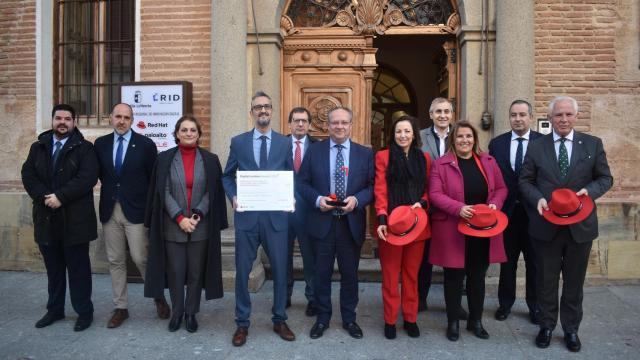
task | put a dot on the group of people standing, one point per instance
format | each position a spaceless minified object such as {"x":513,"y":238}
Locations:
{"x":439,"y":200}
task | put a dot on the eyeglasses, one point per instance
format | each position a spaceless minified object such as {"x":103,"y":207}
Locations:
{"x":260,"y":107}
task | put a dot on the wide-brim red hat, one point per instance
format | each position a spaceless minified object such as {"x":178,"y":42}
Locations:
{"x":566,"y":208}
{"x":485,"y":222}
{"x":405,"y":225}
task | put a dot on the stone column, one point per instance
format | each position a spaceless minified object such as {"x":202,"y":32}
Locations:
{"x":515,"y":73}
{"x":473,"y":75}
{"x":229,"y":102}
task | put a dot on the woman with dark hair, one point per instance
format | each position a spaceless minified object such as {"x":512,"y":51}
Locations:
{"x":401,"y":198}
{"x":185,"y":212}
{"x":463,"y":183}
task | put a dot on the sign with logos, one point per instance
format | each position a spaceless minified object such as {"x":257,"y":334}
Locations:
{"x":157,"y":106}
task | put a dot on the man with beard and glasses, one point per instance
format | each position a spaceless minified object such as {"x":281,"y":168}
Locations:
{"x":260,"y":149}
{"x":59,"y":174}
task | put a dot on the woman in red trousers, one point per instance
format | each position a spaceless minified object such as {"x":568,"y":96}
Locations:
{"x":401,"y":183}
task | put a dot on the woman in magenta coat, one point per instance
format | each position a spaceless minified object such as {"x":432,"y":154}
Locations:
{"x":460,"y":179}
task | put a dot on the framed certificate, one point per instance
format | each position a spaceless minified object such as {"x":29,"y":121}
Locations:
{"x":265,"y":190}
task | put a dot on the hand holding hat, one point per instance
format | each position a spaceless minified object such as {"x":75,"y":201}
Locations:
{"x":567,"y":207}
{"x":486,"y":221}
{"x":406,"y":224}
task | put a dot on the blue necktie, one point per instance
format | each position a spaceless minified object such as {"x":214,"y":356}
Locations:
{"x":263,"y":152}
{"x":339,"y":177}
{"x":118,"y":162}
{"x":519,"y":155}
{"x":56,"y":153}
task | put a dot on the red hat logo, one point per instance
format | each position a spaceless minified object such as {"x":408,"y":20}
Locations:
{"x":141,"y":125}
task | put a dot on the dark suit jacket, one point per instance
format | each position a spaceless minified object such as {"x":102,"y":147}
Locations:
{"x":134,"y":176}
{"x":540,"y":175}
{"x":301,"y":206}
{"x":241,"y":158}
{"x":500,"y":149}
{"x":314,"y":180}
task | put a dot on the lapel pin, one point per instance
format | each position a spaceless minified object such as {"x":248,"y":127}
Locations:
{"x":579,"y":141}
{"x":133,"y":145}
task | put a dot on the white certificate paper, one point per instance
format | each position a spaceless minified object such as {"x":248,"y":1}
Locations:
{"x":265,"y":190}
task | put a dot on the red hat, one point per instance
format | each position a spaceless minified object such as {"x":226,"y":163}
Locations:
{"x":406,"y":225}
{"x":566,"y":208}
{"x":485,"y":222}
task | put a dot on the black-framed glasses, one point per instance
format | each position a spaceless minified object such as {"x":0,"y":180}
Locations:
{"x":260,"y":107}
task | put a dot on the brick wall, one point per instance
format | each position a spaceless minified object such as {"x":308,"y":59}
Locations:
{"x":176,"y":45}
{"x":17,"y":87}
{"x":577,"y":54}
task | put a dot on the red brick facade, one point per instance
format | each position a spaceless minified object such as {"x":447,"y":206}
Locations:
{"x":17,"y":85}
{"x":575,"y":53}
{"x":176,"y":45}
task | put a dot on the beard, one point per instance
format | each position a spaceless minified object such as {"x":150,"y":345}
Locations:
{"x":61,"y":132}
{"x":263,"y":121}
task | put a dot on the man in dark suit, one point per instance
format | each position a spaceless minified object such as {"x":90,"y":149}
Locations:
{"x":509,"y":150}
{"x":434,"y":141}
{"x":126,"y":161}
{"x":260,"y":149}
{"x":299,"y":122}
{"x":59,"y":175}
{"x":339,"y":167}
{"x":572,"y":160}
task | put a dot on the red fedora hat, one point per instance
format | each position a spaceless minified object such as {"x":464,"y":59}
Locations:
{"x":406,"y":225}
{"x":485,"y":222}
{"x":566,"y":208}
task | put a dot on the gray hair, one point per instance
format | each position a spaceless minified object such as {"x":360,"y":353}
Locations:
{"x":258,"y":94}
{"x":518,"y":102}
{"x":340,"y":108}
{"x":558,"y":99}
{"x":440,"y":100}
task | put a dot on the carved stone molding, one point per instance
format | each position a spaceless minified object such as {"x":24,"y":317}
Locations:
{"x":373,"y":17}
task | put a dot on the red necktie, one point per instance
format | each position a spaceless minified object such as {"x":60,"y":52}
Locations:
{"x":297,"y":157}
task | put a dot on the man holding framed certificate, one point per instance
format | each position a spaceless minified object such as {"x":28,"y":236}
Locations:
{"x":258,"y":180}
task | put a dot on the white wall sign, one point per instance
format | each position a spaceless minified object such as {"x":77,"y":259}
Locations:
{"x":156,"y":109}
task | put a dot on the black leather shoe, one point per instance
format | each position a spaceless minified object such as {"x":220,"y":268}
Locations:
{"x":462,"y":314}
{"x":572,"y":341}
{"x":534,"y":317}
{"x":544,"y":338}
{"x":412,"y":329}
{"x":476,"y":328}
{"x":175,"y":322}
{"x":353,"y":329}
{"x":48,"y":319}
{"x":453,"y":330}
{"x":422,"y":305}
{"x":311,"y":309}
{"x":502,"y":313}
{"x":83,"y":322}
{"x":317,"y":330}
{"x":190,"y":323}
{"x":390,"y":331}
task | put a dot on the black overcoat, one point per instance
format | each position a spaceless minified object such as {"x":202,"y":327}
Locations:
{"x":155,"y":279}
{"x":72,"y":182}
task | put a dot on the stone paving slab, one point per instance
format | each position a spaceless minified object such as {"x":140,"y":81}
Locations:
{"x":610,"y":329}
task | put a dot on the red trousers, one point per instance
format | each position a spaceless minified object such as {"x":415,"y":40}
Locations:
{"x":399,"y":261}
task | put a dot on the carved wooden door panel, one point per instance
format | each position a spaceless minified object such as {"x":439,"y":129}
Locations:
{"x":323,"y":72}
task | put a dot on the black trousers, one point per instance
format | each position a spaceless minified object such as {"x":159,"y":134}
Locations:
{"x":73,"y":261}
{"x":561,"y":255}
{"x":476,"y":265}
{"x":186,"y":263}
{"x":425,"y":273}
{"x":516,"y":240}
{"x":338,"y":244}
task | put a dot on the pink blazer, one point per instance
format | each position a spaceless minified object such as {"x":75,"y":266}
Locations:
{"x":446,"y":193}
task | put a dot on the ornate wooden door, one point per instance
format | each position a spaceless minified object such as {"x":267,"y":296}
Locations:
{"x":328,"y":57}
